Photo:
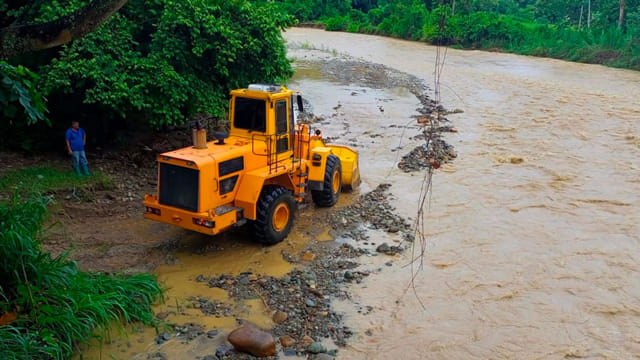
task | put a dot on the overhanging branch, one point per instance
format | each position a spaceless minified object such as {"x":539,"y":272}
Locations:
{"x":17,"y":40}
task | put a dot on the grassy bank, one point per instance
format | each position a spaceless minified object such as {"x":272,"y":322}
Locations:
{"x":48,"y":305}
{"x":40,"y":179}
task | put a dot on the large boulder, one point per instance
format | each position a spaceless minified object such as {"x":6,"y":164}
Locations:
{"x":253,"y":341}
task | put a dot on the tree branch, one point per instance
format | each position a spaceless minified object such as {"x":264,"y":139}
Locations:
{"x":17,"y":40}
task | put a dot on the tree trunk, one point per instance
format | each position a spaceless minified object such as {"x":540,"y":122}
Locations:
{"x":17,"y":40}
{"x":453,"y":8}
{"x":580,"y":21}
{"x":589,"y":16}
{"x":621,"y":15}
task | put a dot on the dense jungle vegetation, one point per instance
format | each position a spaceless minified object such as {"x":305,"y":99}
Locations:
{"x":154,"y":63}
{"x":592,"y":31}
{"x":116,"y":66}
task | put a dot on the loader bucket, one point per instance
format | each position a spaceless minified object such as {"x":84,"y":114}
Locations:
{"x":350,"y":169}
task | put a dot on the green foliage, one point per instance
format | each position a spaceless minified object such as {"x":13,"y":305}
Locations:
{"x":166,"y":60}
{"x":309,"y":10}
{"x":479,"y":28}
{"x":338,"y":23}
{"x":57,"y":304}
{"x":17,"y":90}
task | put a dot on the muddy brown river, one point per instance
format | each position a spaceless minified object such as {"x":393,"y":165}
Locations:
{"x":533,"y":232}
{"x":526,"y":260}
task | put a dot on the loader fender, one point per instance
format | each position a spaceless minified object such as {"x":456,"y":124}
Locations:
{"x":251,"y":186}
{"x":318,"y":165}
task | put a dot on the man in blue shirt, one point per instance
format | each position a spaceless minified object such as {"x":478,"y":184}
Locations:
{"x":76,"y":138}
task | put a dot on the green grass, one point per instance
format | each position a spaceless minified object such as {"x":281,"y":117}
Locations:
{"x":44,"y":179}
{"x":58,"y":305}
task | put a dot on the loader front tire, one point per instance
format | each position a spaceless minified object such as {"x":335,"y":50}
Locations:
{"x":274,"y":215}
{"x":332,"y":184}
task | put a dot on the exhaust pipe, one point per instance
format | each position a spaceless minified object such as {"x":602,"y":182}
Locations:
{"x":199,"y":136}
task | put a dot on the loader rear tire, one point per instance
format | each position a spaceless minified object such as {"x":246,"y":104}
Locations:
{"x":274,"y":215}
{"x":332,"y":184}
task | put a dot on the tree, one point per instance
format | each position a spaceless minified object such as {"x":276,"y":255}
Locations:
{"x":153,"y":62}
{"x":17,"y":40}
{"x":621,"y":14}
{"x":163,"y":61}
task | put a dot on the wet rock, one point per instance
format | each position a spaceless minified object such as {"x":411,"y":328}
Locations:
{"x":307,"y":341}
{"x":222,"y":350}
{"x":310,"y":303}
{"x":279,"y":317}
{"x":287,"y":341}
{"x":290,"y":352}
{"x":348,"y":275}
{"x":309,"y":276}
{"x":188,"y":331}
{"x":210,"y":357}
{"x":316,"y":348}
{"x":212,"y":334}
{"x":383,"y":248}
{"x":162,"y":315}
{"x":388,"y":250}
{"x":318,"y":281}
{"x":253,"y":341}
{"x":166,"y":336}
{"x":157,"y":356}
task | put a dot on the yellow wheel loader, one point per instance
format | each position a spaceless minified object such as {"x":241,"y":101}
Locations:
{"x":256,"y":173}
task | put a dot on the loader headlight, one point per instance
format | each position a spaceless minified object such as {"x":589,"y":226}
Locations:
{"x":204,"y":222}
{"x":153,"y":211}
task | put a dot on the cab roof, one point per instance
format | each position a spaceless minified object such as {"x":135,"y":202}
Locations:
{"x":262,"y":91}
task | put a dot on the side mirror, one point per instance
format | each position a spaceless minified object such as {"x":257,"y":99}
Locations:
{"x":300,"y":105}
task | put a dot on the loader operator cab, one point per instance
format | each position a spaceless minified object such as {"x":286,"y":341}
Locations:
{"x":264,"y":112}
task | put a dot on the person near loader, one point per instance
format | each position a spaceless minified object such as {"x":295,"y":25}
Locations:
{"x":76,"y":139}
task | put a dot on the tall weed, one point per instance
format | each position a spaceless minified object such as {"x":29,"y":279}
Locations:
{"x":57,"y":305}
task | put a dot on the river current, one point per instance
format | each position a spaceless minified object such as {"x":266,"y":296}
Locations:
{"x":533,"y":231}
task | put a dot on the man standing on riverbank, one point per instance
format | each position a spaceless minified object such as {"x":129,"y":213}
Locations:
{"x":76,"y":139}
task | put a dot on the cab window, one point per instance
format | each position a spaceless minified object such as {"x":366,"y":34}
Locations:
{"x":281,"y":117}
{"x":250,"y":114}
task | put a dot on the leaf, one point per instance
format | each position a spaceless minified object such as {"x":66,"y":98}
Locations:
{"x":10,"y":111}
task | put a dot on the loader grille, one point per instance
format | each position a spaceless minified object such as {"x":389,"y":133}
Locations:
{"x":179,"y":187}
